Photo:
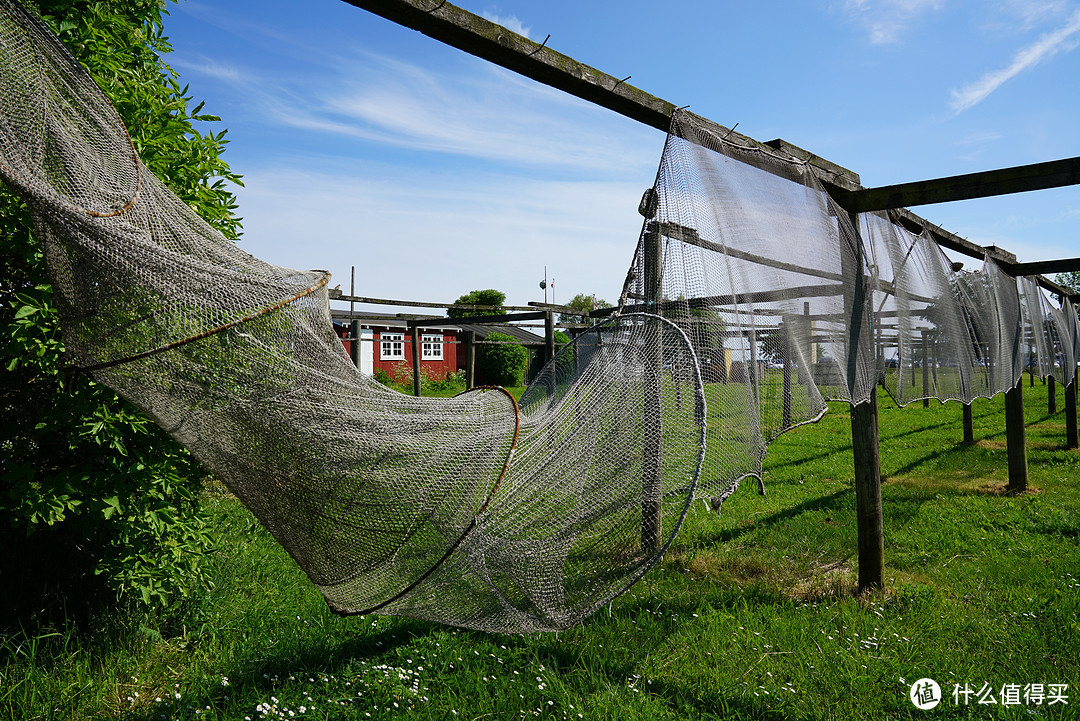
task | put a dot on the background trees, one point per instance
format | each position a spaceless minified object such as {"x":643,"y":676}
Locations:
{"x":92,"y":494}
{"x":489,"y":297}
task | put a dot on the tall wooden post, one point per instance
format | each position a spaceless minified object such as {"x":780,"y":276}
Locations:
{"x":549,"y":336}
{"x":925,"y":371}
{"x":969,"y":425}
{"x":864,"y":442}
{"x":470,"y":359}
{"x":786,"y":346}
{"x":354,"y":344}
{"x":1016,"y":437}
{"x":1051,"y":394}
{"x":1071,"y":440}
{"x":652,"y":463}
{"x":864,"y":434}
{"x":416,"y":382}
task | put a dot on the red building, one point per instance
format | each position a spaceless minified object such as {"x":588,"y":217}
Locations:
{"x":387,"y":345}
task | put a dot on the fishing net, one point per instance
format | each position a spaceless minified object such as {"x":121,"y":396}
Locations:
{"x":790,"y":301}
{"x":751,"y":300}
{"x":475,"y":511}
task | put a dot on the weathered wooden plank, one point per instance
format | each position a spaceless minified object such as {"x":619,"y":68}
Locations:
{"x":1065,"y":265}
{"x":338,"y":295}
{"x":478,"y":36}
{"x":503,"y":318}
{"x":984,"y":184}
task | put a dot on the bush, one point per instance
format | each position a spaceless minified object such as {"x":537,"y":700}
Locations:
{"x":92,"y":494}
{"x":501,"y":362}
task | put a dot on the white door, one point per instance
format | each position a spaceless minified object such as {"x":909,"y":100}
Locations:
{"x":367,"y":351}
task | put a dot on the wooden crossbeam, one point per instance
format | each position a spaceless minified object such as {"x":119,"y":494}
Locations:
{"x":477,"y":36}
{"x":985,"y":184}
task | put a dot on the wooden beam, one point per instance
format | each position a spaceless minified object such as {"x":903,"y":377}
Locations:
{"x":478,"y":36}
{"x":338,"y":295}
{"x":985,"y":184}
{"x":503,"y":318}
{"x":1041,"y":267}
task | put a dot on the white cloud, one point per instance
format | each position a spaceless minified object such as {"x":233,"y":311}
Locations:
{"x":1061,"y":40}
{"x":511,"y":23}
{"x":886,"y":20}
{"x":490,"y":113}
{"x":428,"y":235}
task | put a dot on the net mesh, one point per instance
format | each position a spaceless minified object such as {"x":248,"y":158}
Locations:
{"x":752,"y":299}
{"x":790,"y":301}
{"x":474,"y":511}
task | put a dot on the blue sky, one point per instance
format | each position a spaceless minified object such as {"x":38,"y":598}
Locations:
{"x":364,"y":143}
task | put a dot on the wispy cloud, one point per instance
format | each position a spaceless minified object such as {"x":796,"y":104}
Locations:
{"x":510,"y":22}
{"x":1061,"y":40}
{"x":490,"y":114}
{"x":886,"y":20}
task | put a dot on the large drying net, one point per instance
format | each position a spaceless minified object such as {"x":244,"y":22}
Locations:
{"x":789,"y":301}
{"x":751,"y":295}
{"x":473,"y":511}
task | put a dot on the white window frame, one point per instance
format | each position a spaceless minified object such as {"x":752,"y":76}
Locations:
{"x":391,"y":346}
{"x":431,"y":346}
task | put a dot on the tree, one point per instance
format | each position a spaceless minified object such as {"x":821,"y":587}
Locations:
{"x":501,"y":361}
{"x":586,"y":304}
{"x":489,"y":297}
{"x":89,"y":487}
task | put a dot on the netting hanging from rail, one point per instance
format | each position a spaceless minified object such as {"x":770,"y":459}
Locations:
{"x":474,"y":511}
{"x":752,"y":299}
{"x":789,"y":301}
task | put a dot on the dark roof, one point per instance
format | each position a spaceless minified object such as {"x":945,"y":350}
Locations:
{"x":482,"y":331}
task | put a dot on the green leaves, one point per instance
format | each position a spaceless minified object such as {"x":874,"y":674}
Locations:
{"x":79,"y":467}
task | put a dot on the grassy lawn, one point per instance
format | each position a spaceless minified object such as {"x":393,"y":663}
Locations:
{"x":751,"y":615}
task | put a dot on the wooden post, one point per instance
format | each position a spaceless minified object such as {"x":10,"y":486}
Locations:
{"x":1051,"y":394}
{"x":1071,"y":440}
{"x":652,"y":463}
{"x":549,"y":336}
{"x":786,"y":345}
{"x":1015,"y":437}
{"x":354,"y":345}
{"x":470,"y":359}
{"x":416,"y":360}
{"x":969,"y":426}
{"x":925,"y":371}
{"x":864,"y":433}
{"x":864,"y":442}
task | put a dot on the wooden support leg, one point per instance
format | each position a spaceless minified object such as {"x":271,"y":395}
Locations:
{"x":1015,"y":436}
{"x":969,"y":426}
{"x":416,"y":360}
{"x":864,"y":441}
{"x":470,"y":359}
{"x":354,"y":345}
{"x":1071,"y":440}
{"x":1051,"y":394}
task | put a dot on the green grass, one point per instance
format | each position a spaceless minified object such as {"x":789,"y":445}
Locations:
{"x":752,"y":614}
